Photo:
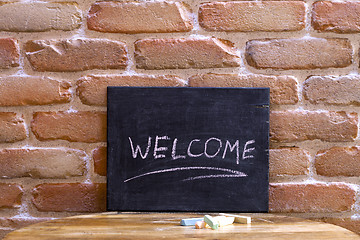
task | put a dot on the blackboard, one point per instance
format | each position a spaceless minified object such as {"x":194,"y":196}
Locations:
{"x":188,"y":149}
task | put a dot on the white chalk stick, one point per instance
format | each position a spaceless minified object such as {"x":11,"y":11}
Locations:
{"x":224,"y":220}
{"x":238,"y":218}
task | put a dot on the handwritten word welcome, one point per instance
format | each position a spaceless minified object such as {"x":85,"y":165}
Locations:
{"x":221,"y":147}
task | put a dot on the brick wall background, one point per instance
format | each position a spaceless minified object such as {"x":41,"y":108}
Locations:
{"x":57,"y":57}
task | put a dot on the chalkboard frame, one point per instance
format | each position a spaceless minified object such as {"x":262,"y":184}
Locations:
{"x":113,"y":202}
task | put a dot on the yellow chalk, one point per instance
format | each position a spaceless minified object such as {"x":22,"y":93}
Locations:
{"x":200,"y":224}
{"x":224,"y":220}
{"x":238,"y":218}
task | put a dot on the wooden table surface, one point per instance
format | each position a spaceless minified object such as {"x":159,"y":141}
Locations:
{"x":167,"y":226}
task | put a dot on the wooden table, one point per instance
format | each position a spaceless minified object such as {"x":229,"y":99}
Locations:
{"x":167,"y":226}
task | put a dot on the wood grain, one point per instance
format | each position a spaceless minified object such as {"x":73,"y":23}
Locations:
{"x":167,"y":226}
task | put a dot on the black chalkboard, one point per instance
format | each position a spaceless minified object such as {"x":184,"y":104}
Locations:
{"x":188,"y":149}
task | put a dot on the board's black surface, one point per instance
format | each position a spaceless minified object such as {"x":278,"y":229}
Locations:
{"x":175,"y":183}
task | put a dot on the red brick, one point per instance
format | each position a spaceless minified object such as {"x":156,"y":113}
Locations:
{"x":348,"y":223}
{"x":283,"y":89}
{"x":10,"y":196}
{"x":99,"y":157}
{"x":332,"y":90}
{"x":9,"y":53}
{"x":70,"y":197}
{"x":76,"y":55}
{"x":92,"y":88}
{"x":24,"y":16}
{"x":12,"y":127}
{"x":248,"y":16}
{"x":316,"y":197}
{"x":140,"y":17}
{"x":339,"y":17}
{"x":41,"y":163}
{"x":20,"y":91}
{"x":288,"y":161}
{"x":71,"y":126}
{"x":185,"y":53}
{"x":292,"y":126}
{"x":338,"y":161}
{"x":303,"y":53}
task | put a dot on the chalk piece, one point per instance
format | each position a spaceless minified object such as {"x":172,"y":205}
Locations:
{"x":238,"y":218}
{"x":200,"y":224}
{"x":211,"y":222}
{"x":224,"y":220}
{"x":190,"y":221}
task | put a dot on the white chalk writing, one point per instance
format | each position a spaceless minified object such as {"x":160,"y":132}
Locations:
{"x":216,"y":176}
{"x":138,"y":149}
{"x":189,"y":147}
{"x":206,"y":146}
{"x":236,"y":144}
{"x":234,"y":172}
{"x":160,"y":149}
{"x":173,"y":152}
{"x":248,"y":150}
{"x":194,"y":149}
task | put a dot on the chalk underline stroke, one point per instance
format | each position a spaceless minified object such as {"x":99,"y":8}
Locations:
{"x":234,"y":173}
{"x":215,"y":176}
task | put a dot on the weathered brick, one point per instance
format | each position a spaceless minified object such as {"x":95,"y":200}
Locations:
{"x":41,"y":163}
{"x":76,"y":54}
{"x":20,"y":90}
{"x":338,"y":161}
{"x":8,"y":224}
{"x":316,"y":197}
{"x":25,"y":17}
{"x":291,"y":126}
{"x":332,"y":90}
{"x":185,"y":53}
{"x":248,"y":16}
{"x":139,"y":17}
{"x":348,"y":223}
{"x":99,"y":157}
{"x":70,"y":197}
{"x":92,"y":88}
{"x":12,"y":127}
{"x":339,"y":17}
{"x":10,"y":196}
{"x":4,"y":232}
{"x":71,"y":126}
{"x":303,"y":53}
{"x":283,"y":89}
{"x":9,"y":53}
{"x":288,"y":161}
{"x":20,"y":222}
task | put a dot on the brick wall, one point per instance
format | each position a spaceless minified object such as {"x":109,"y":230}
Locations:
{"x":57,"y":57}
